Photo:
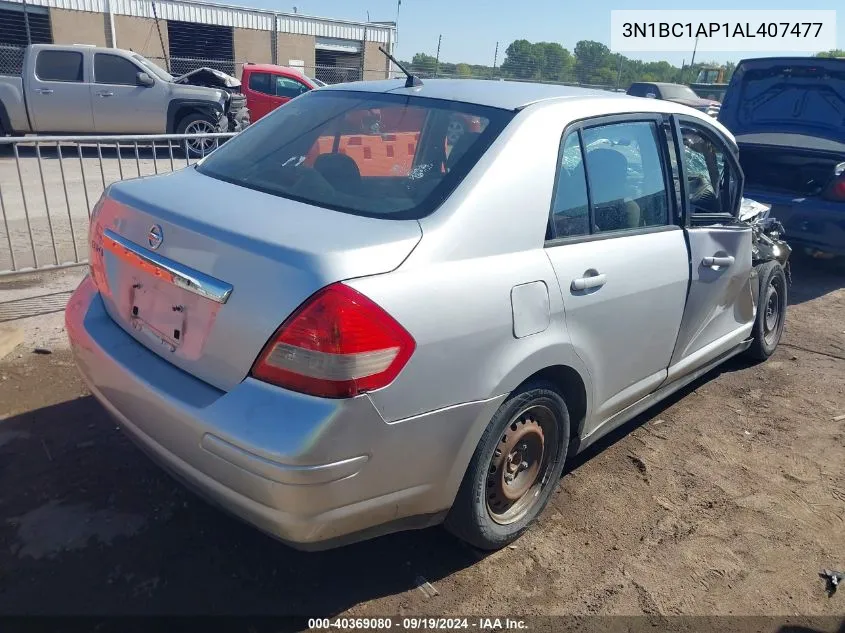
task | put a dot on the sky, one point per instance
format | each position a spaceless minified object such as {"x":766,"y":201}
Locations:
{"x":471,"y":28}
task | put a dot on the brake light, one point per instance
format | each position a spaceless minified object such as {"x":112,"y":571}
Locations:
{"x":338,"y":344}
{"x":836,"y":189}
{"x":96,"y":265}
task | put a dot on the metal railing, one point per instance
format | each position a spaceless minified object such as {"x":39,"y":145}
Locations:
{"x":50,"y":184}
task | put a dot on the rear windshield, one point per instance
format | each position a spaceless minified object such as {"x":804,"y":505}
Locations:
{"x":377,"y":155}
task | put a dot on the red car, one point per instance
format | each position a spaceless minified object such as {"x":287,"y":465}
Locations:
{"x":267,"y":86}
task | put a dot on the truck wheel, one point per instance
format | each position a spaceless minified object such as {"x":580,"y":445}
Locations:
{"x":771,"y":311}
{"x":515,"y":469}
{"x":197,"y":123}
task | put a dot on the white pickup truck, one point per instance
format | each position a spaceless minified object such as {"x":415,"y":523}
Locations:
{"x":88,"y":90}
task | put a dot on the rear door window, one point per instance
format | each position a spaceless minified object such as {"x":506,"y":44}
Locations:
{"x":260,"y":82}
{"x":610,"y":178}
{"x":571,"y":209}
{"x":372,"y":154}
{"x":59,"y":66}
{"x":627,"y":184}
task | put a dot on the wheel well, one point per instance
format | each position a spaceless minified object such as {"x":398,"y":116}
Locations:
{"x":570,"y":385}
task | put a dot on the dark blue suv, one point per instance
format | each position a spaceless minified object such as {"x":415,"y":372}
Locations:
{"x":788,"y":117}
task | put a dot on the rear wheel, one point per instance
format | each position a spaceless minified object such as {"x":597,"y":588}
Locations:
{"x":771,"y":311}
{"x":515,"y":469}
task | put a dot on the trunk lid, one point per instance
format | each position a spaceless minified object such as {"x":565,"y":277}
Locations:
{"x":788,"y":95}
{"x":268,"y":253}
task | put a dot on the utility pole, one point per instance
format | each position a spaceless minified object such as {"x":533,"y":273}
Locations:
{"x":396,"y":42}
{"x":437,"y":58}
{"x":161,"y":39}
{"x":695,"y":48}
{"x":619,"y":71}
{"x":495,"y":59}
{"x":26,"y":23}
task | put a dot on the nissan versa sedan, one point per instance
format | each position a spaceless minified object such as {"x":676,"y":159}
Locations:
{"x":332,"y":355}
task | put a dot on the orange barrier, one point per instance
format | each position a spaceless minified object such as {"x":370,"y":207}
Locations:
{"x":376,"y":155}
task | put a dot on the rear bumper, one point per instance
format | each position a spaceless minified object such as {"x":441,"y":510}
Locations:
{"x":809,"y":222}
{"x":310,"y":471}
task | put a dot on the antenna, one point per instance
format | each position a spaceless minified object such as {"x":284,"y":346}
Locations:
{"x":412,"y":80}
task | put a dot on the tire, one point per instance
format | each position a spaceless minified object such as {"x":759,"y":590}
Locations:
{"x":771,"y":311}
{"x":197,"y":123}
{"x":482,"y":515}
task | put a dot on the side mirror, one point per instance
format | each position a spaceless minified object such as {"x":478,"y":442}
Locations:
{"x":144,"y":79}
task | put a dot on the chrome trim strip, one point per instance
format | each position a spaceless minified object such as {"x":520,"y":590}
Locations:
{"x":186,"y":278}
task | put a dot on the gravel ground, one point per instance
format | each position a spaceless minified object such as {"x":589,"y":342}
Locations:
{"x":727,"y":499}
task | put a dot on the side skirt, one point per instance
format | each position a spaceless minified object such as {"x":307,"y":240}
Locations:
{"x":643,"y":404}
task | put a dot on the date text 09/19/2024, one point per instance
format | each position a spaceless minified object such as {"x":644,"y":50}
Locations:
{"x":416,"y":624}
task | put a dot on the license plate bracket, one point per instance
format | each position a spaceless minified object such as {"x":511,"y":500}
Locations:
{"x":154,"y":311}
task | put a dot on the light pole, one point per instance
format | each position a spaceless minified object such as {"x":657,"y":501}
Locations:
{"x":396,"y":42}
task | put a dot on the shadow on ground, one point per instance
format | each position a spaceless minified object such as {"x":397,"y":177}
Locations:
{"x":96,"y":528}
{"x":812,"y":278}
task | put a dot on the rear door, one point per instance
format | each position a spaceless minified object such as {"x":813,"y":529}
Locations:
{"x":121,"y":105}
{"x":619,"y":255}
{"x":719,"y":311}
{"x":258,"y":89}
{"x":58,"y":92}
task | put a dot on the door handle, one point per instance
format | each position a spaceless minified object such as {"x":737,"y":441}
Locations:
{"x":44,"y":91}
{"x":105,"y":93}
{"x":583,"y":283}
{"x":712,"y":262}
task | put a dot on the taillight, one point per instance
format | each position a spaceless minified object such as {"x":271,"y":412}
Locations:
{"x":836,"y":189}
{"x":96,"y":265}
{"x":338,"y":344}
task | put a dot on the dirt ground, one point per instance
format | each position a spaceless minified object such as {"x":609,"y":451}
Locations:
{"x":728,"y":499}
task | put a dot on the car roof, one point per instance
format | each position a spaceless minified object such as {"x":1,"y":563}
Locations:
{"x":507,"y":95}
{"x":274,"y":68}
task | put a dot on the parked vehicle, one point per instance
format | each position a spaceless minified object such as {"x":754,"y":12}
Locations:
{"x":87,"y":90}
{"x":332,"y":355}
{"x":787,"y":115}
{"x":677,"y":93}
{"x":268,"y":86}
{"x":710,"y":83}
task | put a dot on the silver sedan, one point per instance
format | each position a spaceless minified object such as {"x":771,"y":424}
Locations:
{"x":349,"y":320}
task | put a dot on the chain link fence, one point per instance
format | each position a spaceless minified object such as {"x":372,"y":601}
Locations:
{"x":11,"y":59}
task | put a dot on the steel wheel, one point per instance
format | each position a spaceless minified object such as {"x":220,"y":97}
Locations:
{"x":774,"y":309}
{"x":200,"y":146}
{"x":520,"y":464}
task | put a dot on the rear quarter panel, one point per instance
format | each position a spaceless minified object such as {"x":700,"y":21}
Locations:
{"x":13,"y":115}
{"x":453,"y":293}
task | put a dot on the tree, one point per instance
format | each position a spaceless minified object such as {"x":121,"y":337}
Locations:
{"x":422,"y":63}
{"x":554,"y":60}
{"x":463,"y":70}
{"x":836,"y":52}
{"x":521,"y":60}
{"x":592,"y":63}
